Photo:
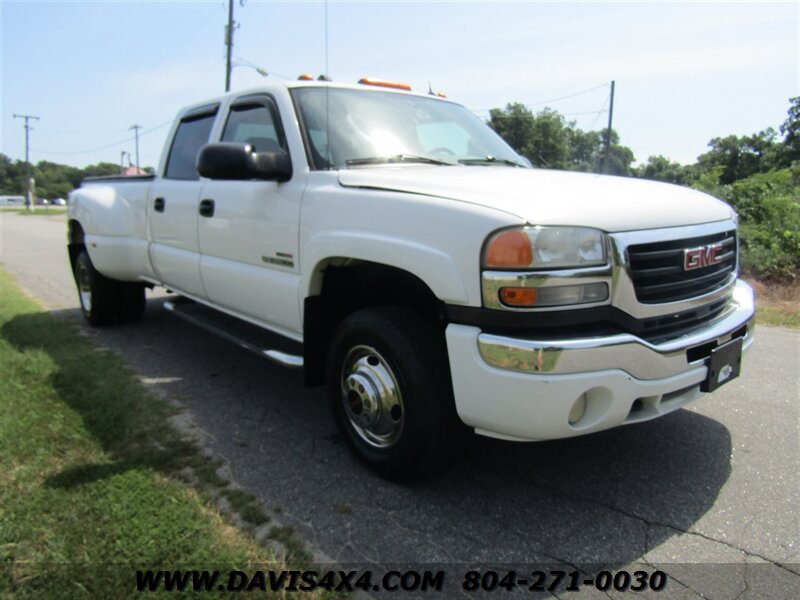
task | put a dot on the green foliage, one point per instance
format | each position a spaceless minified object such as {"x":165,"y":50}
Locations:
{"x":708,"y":181}
{"x":768,"y":205}
{"x":791,"y":131}
{"x":515,"y":125}
{"x":101,"y":169}
{"x":551,"y":142}
{"x":660,"y":168}
{"x":619,"y":159}
{"x":743,"y":156}
{"x":585,"y":149}
{"x":769,"y":208}
{"x":758,"y":174}
{"x":53,"y":180}
{"x":736,"y":158}
{"x":89,"y":484}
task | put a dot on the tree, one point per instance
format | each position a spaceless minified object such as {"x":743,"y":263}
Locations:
{"x":585,"y":150}
{"x":791,"y":132}
{"x":12,"y":177}
{"x":53,"y":180}
{"x":743,"y":156}
{"x":549,"y":141}
{"x":620,"y":158}
{"x":100,"y":169}
{"x":660,"y":168}
{"x":542,"y":138}
{"x":549,"y":145}
{"x":514,"y":124}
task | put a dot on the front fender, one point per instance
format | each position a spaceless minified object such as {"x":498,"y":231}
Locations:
{"x":435,"y":268}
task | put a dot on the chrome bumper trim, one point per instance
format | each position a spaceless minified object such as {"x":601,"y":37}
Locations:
{"x":636,"y":356}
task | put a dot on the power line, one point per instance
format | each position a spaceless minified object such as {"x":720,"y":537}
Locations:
{"x":192,"y":82}
{"x":238,"y":61}
{"x":581,"y":93}
{"x":599,"y":113}
{"x":169,"y":53}
{"x":130,"y":139}
{"x":541,"y":102}
{"x":585,"y":112}
{"x":106,"y":147}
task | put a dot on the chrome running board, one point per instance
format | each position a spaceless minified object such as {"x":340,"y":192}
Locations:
{"x":203,"y":317}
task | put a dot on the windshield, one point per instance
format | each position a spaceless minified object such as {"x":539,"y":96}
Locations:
{"x":349,"y":128}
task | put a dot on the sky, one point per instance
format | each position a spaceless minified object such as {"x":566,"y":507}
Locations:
{"x":685,"y":72}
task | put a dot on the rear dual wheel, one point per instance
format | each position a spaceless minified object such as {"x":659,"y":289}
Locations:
{"x":390,"y":391}
{"x":106,"y":301}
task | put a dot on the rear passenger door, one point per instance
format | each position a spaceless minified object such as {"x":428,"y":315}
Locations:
{"x":249,"y":245}
{"x":173,"y":206}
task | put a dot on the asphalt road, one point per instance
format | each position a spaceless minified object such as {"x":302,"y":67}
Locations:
{"x":710,"y":494}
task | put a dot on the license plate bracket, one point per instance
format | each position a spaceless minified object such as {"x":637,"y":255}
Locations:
{"x":724,"y":365}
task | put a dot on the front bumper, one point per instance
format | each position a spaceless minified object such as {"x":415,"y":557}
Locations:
{"x":524,"y":389}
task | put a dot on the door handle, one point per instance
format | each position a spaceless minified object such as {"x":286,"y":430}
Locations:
{"x":207,"y":208}
{"x":159,"y":204}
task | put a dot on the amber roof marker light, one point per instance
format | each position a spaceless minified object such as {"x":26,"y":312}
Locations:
{"x":383,"y":83}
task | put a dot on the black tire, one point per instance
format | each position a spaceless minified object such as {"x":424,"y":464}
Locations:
{"x":106,"y":301}
{"x":390,"y":391}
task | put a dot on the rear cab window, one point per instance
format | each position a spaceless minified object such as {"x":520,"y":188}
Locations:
{"x":192,"y":134}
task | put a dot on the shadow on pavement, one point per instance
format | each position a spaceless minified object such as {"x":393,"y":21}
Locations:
{"x":605,"y":498}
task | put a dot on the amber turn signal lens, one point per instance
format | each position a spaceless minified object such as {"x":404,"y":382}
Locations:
{"x":510,"y":248}
{"x":513,"y":296}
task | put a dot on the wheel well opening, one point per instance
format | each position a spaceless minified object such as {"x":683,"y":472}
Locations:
{"x":347,"y":288}
{"x":75,"y":232}
{"x":75,"y":241}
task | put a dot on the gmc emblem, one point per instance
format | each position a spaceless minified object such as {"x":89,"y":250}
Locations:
{"x":704,"y":256}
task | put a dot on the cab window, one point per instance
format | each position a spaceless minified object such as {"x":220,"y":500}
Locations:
{"x":255,"y":124}
{"x":192,"y":134}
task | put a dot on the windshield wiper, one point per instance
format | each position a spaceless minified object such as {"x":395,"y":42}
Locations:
{"x":490,"y":160}
{"x":397,"y":158}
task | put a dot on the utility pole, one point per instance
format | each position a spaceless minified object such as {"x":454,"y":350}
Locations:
{"x":607,"y":153}
{"x":30,"y":191}
{"x":229,"y":44}
{"x":136,"y":129}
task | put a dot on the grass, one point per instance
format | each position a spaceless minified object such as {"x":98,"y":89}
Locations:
{"x":37,"y":211}
{"x":89,"y":473}
{"x":777,"y":303}
{"x":40,"y":210}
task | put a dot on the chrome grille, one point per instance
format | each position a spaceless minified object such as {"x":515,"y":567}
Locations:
{"x":658,"y":273}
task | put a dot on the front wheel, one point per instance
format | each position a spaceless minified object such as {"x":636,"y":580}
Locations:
{"x":390,"y":391}
{"x":103,"y":300}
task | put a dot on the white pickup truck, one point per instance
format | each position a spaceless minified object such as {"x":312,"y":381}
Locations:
{"x":393,"y":246}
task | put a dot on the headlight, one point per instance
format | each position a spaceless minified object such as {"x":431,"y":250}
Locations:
{"x":545,"y":248}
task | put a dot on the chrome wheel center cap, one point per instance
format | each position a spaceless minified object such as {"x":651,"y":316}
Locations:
{"x":363,"y":398}
{"x":372,"y":400}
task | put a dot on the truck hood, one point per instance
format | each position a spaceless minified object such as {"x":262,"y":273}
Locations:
{"x":543,"y":197}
